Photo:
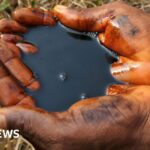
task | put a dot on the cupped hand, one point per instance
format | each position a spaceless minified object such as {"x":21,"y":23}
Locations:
{"x":118,"y":121}
{"x":123,"y":29}
{"x":13,"y":71}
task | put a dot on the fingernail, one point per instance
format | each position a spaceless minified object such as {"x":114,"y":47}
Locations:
{"x":118,"y":68}
{"x":27,"y":48}
{"x":34,"y":85}
{"x":59,"y":8}
{"x":116,"y":89}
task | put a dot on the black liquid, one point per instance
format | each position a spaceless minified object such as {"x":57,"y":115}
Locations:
{"x":69,"y":67}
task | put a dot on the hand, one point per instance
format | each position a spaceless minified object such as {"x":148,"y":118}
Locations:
{"x":11,"y":92}
{"x":12,"y":67}
{"x":120,"y":121}
{"x":121,"y":28}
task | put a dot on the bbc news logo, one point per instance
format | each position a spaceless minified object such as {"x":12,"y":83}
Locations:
{"x":9,"y":134}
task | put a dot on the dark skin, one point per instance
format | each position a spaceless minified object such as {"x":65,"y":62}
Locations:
{"x":10,"y":54}
{"x":119,"y":120}
{"x":12,"y":68}
{"x":125,"y":30}
{"x":109,"y":122}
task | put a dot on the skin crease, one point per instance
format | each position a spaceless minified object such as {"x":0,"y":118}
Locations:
{"x":118,"y":121}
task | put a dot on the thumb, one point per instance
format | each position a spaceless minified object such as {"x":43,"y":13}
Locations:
{"x":89,"y":19}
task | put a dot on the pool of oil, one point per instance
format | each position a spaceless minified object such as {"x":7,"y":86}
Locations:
{"x":68,"y":65}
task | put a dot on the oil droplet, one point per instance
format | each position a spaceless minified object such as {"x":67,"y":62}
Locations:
{"x":83,"y":96}
{"x":62,"y":76}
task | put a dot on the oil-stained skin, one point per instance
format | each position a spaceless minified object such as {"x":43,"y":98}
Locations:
{"x":10,"y":56}
{"x":117,"y":121}
{"x":12,"y":67}
{"x":123,"y":21}
{"x":15,"y":65}
{"x":108,"y":19}
{"x":123,"y":29}
{"x":8,"y":26}
{"x":33,"y":16}
{"x":106,"y":111}
{"x":109,"y":122}
{"x":9,"y":85}
{"x":112,"y":110}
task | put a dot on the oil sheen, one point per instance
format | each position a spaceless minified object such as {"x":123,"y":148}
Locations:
{"x":69,"y":66}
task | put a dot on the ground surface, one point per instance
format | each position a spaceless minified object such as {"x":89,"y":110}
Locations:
{"x":7,"y":6}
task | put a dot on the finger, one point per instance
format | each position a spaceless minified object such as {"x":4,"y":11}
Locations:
{"x":22,"y":73}
{"x":113,"y":39}
{"x":17,"y":68}
{"x":117,"y":89}
{"x":10,"y":92}
{"x":18,"y":40}
{"x":89,"y":19}
{"x":27,"y":47}
{"x":27,"y":101}
{"x":33,"y":16}
{"x":132,"y":72}
{"x":11,"y":26}
{"x":12,"y":47}
{"x":11,"y":38}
